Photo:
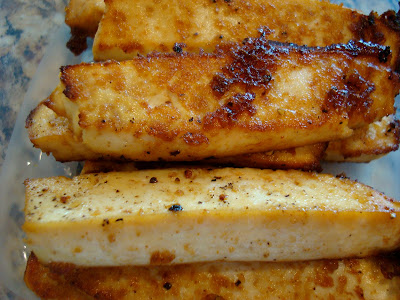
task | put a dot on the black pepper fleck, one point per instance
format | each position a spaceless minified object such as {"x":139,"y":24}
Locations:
{"x":175,"y":208}
{"x":153,"y":180}
{"x":177,"y":48}
{"x":175,"y":153}
{"x":167,"y":286}
{"x":238,"y":282}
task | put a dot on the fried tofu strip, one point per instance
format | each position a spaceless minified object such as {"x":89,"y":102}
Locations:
{"x":366,"y":278}
{"x":178,"y":215}
{"x":83,"y":17}
{"x":249,"y":98}
{"x":52,"y":132}
{"x":379,"y":139}
{"x":129,"y":28}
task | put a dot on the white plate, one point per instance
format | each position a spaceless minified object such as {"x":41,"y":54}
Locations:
{"x":23,"y":161}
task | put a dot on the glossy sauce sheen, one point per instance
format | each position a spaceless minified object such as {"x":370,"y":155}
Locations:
{"x":193,"y":106}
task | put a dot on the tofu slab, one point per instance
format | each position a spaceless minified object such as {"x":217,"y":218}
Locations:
{"x":365,"y":278}
{"x":83,"y":17}
{"x":51,"y":131}
{"x":171,"y":216}
{"x":131,"y":27}
{"x":249,"y":98}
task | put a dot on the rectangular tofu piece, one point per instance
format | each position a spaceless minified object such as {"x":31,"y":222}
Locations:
{"x":128,"y":28}
{"x":372,"y":277}
{"x":83,"y":17}
{"x":366,"y":144}
{"x":249,"y":98}
{"x":173,"y":216}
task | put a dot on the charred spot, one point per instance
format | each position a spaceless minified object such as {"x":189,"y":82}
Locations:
{"x":238,"y":282}
{"x":153,"y":180}
{"x":119,"y":220}
{"x":391,"y":19}
{"x":252,"y":64}
{"x":366,"y":29}
{"x":228,"y":114}
{"x":353,"y":97}
{"x":175,"y":208}
{"x":384,"y":55}
{"x":220,"y":84}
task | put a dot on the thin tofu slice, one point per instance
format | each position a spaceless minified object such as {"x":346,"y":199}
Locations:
{"x":366,"y":278}
{"x":171,"y":216}
{"x":249,"y":98}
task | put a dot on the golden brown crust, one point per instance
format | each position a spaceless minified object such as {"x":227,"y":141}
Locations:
{"x":368,"y":278}
{"x":193,"y":25}
{"x":49,"y":285}
{"x":83,"y":18}
{"x":193,"y":106}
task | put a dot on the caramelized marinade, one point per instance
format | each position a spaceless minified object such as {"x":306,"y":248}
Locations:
{"x":245,"y":98}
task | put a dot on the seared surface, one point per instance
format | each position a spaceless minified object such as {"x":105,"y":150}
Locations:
{"x":129,"y":28}
{"x":255,"y":97}
{"x":367,"y":278}
{"x":83,"y":17}
{"x":170,"y":216}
